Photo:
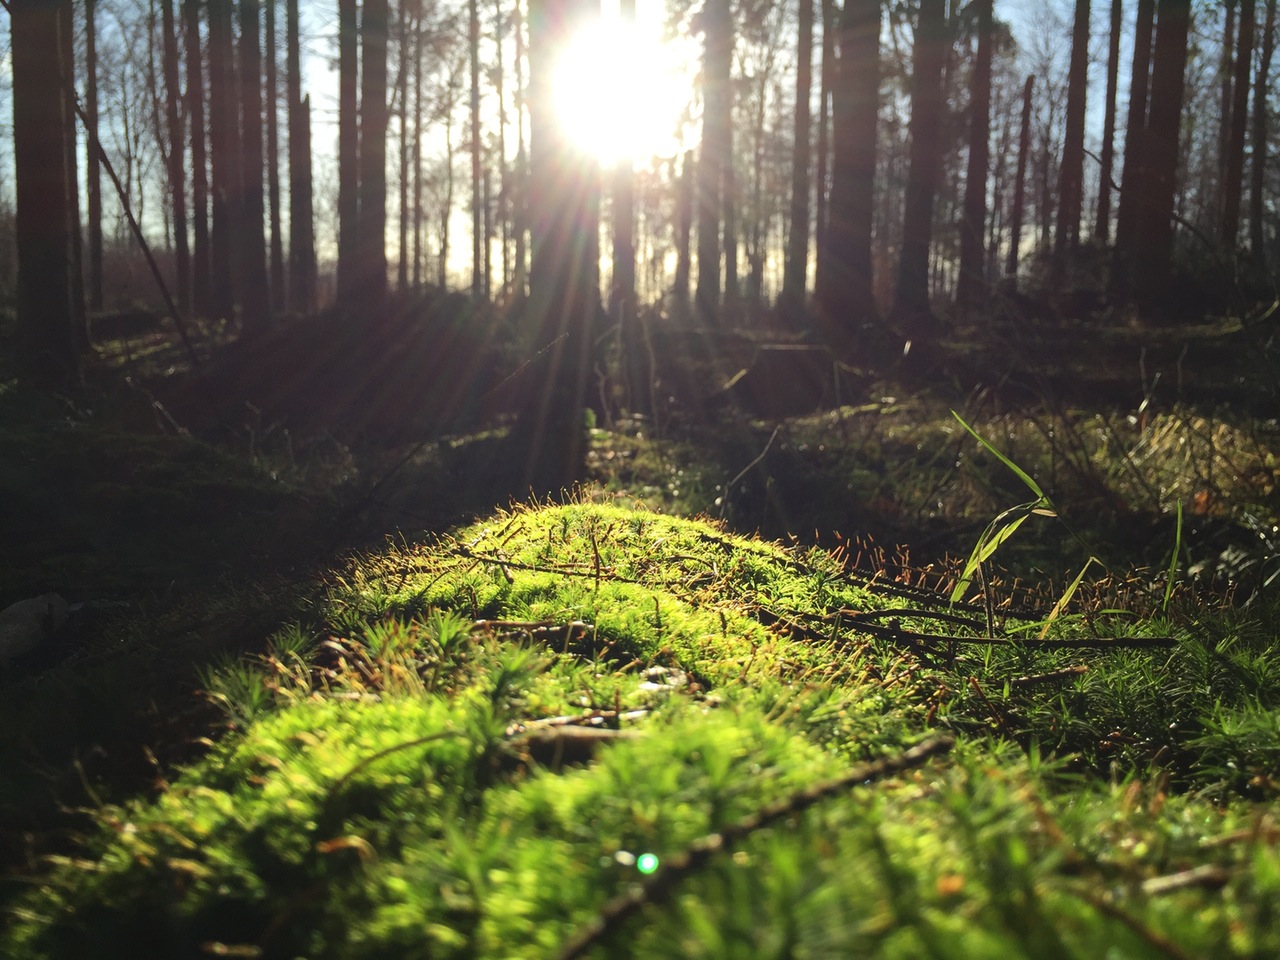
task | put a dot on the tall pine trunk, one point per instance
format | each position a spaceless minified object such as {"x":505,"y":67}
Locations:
{"x":1258,"y":172}
{"x":1071,"y":173}
{"x":1102,"y":220}
{"x":563,"y":295}
{"x":372,"y":219}
{"x":1134,"y":140}
{"x":717,"y":122}
{"x":93,"y":174}
{"x":302,"y":252}
{"x":402,"y":118}
{"x":1020,"y":183}
{"x":911,"y":302}
{"x":348,"y":153}
{"x":1234,"y":184}
{"x":843,"y":294}
{"x":1153,"y":240}
{"x":830,"y":16}
{"x":255,"y":296}
{"x":477,"y":199}
{"x":177,"y":156}
{"x":199,"y":161}
{"x":224,"y":157}
{"x":272,"y":100}
{"x":46,"y":315}
{"x":684,"y":227}
{"x":795,"y":273}
{"x":971,"y":289}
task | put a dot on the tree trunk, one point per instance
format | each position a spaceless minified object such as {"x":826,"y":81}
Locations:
{"x":712,"y":159}
{"x":1134,"y":139}
{"x":911,"y":304}
{"x":1071,"y":173}
{"x":1020,"y":183}
{"x":199,"y":161}
{"x":1102,"y":221}
{"x":1257,"y":241}
{"x":93,"y":174}
{"x":684,"y":226}
{"x":302,"y":253}
{"x":224,"y":150}
{"x":477,"y":235}
{"x":67,"y":32}
{"x":844,"y":296}
{"x":255,"y":296}
{"x":795,"y":273}
{"x":971,"y":290}
{"x":417,"y":145}
{"x":520,"y":176}
{"x":372,"y":232}
{"x":272,"y":100}
{"x":563,"y":297}
{"x":1153,"y":241}
{"x":46,"y":338}
{"x":402,"y":116}
{"x":830,"y":16}
{"x":1233,"y":187}
{"x":348,"y":154}
{"x":177,"y":161}
{"x":1225,"y":74}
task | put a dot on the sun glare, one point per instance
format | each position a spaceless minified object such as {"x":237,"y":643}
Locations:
{"x":620,"y":91}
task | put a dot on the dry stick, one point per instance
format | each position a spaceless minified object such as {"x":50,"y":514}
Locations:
{"x":724,"y":503}
{"x":661,"y":884}
{"x":137,"y":234}
{"x":1065,"y":643}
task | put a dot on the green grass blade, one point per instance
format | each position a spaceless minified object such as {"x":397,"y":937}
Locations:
{"x":1018,"y":471}
{"x":1066,"y":596}
{"x":1173,"y":562}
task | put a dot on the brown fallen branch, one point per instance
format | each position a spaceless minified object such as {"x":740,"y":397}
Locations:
{"x":557,"y":747}
{"x":1209,"y":876}
{"x":1061,"y":643}
{"x":661,"y":885}
{"x":1066,"y":673}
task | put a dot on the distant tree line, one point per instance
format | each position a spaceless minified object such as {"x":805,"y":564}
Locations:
{"x":866,"y":169}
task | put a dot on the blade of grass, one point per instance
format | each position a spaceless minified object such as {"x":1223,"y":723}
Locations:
{"x":1066,"y":596}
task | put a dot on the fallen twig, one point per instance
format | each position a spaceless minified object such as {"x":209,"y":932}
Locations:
{"x":661,"y":884}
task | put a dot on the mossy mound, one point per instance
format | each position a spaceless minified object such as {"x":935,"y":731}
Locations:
{"x":498,"y":734}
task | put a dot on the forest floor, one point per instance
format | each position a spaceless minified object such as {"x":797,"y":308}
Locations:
{"x":279,"y":492}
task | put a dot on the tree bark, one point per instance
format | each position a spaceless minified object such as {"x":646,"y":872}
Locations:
{"x":402,"y":116}
{"x":1225,"y":75}
{"x":255,"y":295}
{"x":1153,"y":242}
{"x":302,"y":253}
{"x":46,"y":338}
{"x":830,"y":16}
{"x":1102,"y":220}
{"x":199,"y":161}
{"x":911,"y":303}
{"x":712,"y":159}
{"x":372,"y":219}
{"x":177,"y":161}
{"x":684,"y":227}
{"x":1020,"y":183}
{"x":224,"y":150}
{"x":93,"y":174}
{"x":1071,"y":173}
{"x":1257,"y":240}
{"x":348,"y":153}
{"x":795,"y":273}
{"x":563,"y":295}
{"x":1134,"y":137}
{"x":1234,"y":185}
{"x":844,"y":297}
{"x":272,"y":100}
{"x":477,"y":234}
{"x":971,"y":289}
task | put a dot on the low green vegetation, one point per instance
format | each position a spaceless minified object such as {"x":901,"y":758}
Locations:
{"x":594,"y":730}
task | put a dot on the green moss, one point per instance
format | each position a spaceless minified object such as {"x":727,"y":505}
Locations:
{"x":401,"y":788}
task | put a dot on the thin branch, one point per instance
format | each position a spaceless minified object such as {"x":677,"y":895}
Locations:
{"x":661,"y":885}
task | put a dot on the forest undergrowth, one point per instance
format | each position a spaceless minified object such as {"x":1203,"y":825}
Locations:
{"x":592,"y":727}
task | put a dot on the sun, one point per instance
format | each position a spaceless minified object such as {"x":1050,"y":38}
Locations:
{"x":620,"y":91}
